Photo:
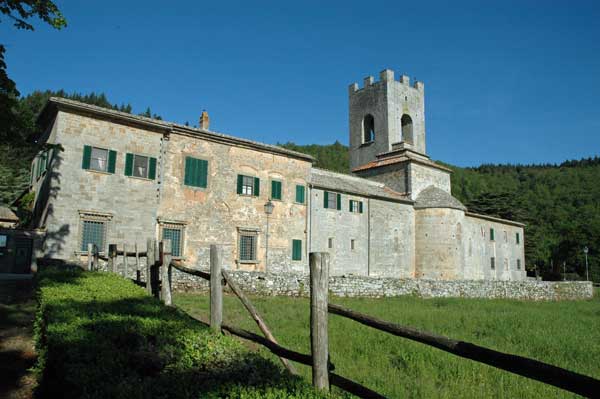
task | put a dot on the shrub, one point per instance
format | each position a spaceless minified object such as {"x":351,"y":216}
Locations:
{"x":101,"y":336}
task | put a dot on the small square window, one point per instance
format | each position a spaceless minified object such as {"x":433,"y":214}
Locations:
{"x":99,"y":159}
{"x":355,"y":206}
{"x":140,"y":166}
{"x":330,"y":243}
{"x":248,"y":247}
{"x":174,"y":233}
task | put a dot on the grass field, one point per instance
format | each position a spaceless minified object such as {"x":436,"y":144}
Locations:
{"x":566,"y":334}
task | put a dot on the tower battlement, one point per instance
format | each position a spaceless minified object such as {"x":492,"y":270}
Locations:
{"x":385,"y":115}
{"x":387,"y":75}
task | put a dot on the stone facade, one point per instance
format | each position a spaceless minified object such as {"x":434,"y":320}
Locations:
{"x":393,"y":218}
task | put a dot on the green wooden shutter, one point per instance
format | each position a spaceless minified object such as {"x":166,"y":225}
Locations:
{"x":325,"y":199}
{"x":350,"y":205}
{"x":275,"y":189}
{"x":112,"y":161}
{"x":296,"y":249}
{"x":203,"y":177}
{"x":189,"y":164}
{"x":256,"y":186}
{"x":128,"y":164}
{"x":300,"y":194}
{"x":240,"y":183}
{"x":360,"y":207}
{"x":339,"y":202}
{"x":87,"y":156}
{"x":492,"y":234}
{"x":518,"y":238}
{"x":151,"y":168}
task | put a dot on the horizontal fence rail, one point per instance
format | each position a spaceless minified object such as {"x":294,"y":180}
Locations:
{"x":546,"y":373}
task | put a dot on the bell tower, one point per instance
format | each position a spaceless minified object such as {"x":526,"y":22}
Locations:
{"x":386,"y":116}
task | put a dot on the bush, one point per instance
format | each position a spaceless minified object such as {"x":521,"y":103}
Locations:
{"x":101,"y":336}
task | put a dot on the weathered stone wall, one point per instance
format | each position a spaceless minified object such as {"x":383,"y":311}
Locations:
{"x":394,"y":176}
{"x":479,"y":248}
{"x":341,"y":227}
{"x":438,"y":243}
{"x":392,"y":239}
{"x":421,"y":177}
{"x":288,"y":284}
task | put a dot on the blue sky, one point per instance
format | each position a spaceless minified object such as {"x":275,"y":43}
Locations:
{"x":510,"y":82}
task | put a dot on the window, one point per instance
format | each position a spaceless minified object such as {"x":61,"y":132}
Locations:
{"x":300,"y":194}
{"x":491,"y":234}
{"x":296,"y":249}
{"x":518,"y":264}
{"x":493,"y":263}
{"x":518,"y":239}
{"x":93,"y":232}
{"x":99,"y":159}
{"x":3,"y":239}
{"x":332,"y":200}
{"x":368,"y":129}
{"x":407,"y":129}
{"x":247,"y":185}
{"x":352,"y":244}
{"x":275,"y":190}
{"x":196,"y":172}
{"x":248,"y":247}
{"x":140,"y":166}
{"x":330,"y":243}
{"x":174,"y":233}
{"x":356,"y":206}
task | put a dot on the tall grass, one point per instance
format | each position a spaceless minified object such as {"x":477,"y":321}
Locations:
{"x":566,"y":334}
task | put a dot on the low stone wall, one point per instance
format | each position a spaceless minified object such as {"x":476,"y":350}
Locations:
{"x":286,"y":284}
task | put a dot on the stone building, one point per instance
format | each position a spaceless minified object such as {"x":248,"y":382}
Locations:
{"x":112,"y":177}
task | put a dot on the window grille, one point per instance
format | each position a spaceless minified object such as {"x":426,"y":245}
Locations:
{"x":93,"y":232}
{"x":175,"y":234}
{"x":248,"y":247}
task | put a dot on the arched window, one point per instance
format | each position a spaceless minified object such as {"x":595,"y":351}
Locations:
{"x":369,"y":128}
{"x":407,"y":129}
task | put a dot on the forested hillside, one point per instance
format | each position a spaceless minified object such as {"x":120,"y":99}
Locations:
{"x":559,"y":203}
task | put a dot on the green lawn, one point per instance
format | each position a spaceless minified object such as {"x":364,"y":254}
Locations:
{"x":566,"y":334}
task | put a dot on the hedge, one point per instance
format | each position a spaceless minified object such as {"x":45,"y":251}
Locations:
{"x":101,"y":336}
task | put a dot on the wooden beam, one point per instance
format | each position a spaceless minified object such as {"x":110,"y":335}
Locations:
{"x":216,"y":288}
{"x":536,"y":370}
{"x":112,"y":257}
{"x":319,"y":341}
{"x":254,"y":313}
{"x":179,"y":265}
{"x":166,"y":273}
{"x":149,"y":264}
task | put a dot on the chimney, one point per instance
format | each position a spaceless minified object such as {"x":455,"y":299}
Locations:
{"x":204,"y":120}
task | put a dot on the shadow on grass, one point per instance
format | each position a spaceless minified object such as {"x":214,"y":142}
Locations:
{"x":99,"y":344}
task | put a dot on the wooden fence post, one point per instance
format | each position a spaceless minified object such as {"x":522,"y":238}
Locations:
{"x":90,"y":259}
{"x":96,"y":258}
{"x":125,"y":261}
{"x":216,"y":288}
{"x":112,"y":257}
{"x":138,"y":276}
{"x":158,"y":250}
{"x":166,"y":273}
{"x":319,"y":341}
{"x":149,"y":264}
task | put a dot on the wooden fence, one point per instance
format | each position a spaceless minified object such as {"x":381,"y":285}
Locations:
{"x":159,"y":268}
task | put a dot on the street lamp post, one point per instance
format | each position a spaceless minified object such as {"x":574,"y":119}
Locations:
{"x":268,"y":210}
{"x":587,"y":274}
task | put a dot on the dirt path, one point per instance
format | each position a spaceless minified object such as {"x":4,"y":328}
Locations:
{"x":17,"y":353}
